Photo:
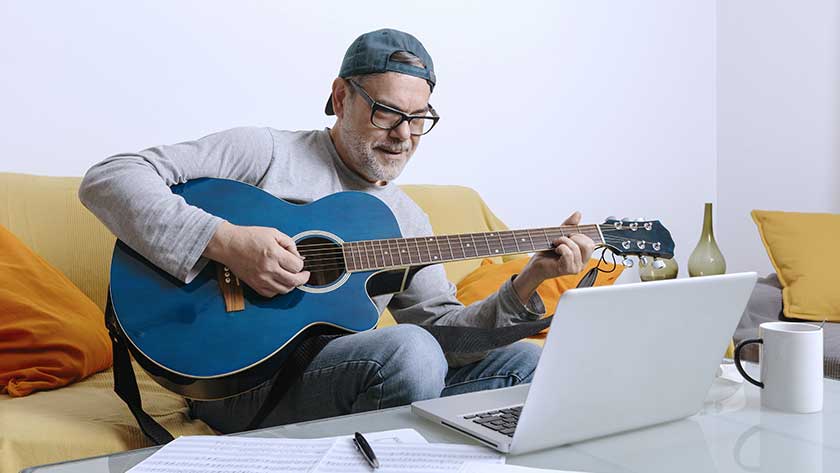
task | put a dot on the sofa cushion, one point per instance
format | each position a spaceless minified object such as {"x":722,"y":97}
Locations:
{"x":765,"y":305}
{"x":50,"y":333}
{"x":85,"y":419}
{"x":793,"y":241}
{"x":45,"y":213}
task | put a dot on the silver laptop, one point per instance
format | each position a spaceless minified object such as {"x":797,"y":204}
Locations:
{"x":616,"y":358}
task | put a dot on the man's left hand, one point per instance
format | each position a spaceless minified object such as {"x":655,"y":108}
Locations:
{"x":569,"y":256}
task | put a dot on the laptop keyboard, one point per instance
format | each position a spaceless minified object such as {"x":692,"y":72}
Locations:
{"x":502,"y":421}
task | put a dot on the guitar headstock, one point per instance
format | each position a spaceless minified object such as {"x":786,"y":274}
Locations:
{"x":648,"y":238}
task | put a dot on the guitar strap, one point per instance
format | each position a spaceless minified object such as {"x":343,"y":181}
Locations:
{"x":460,"y":340}
{"x":125,"y":383}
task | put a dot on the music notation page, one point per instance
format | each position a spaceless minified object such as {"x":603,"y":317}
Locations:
{"x":402,"y":450}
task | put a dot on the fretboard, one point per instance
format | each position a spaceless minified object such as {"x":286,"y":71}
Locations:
{"x":370,"y":255}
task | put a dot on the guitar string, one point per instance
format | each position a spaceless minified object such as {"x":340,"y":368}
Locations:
{"x":373,"y":256}
{"x":327,"y":263}
{"x":344,"y":268}
{"x":506,"y":239}
{"x":508,"y":233}
{"x":363,"y":251}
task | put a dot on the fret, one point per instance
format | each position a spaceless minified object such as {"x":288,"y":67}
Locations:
{"x":501,"y":242}
{"x":489,"y":250}
{"x":419,"y":253}
{"x":440,"y":253}
{"x":461,"y":246}
{"x":360,"y":247}
{"x":474,"y":246}
{"x":388,"y":252}
{"x":400,"y":251}
{"x":547,"y":241}
{"x":371,"y":254}
{"x":533,"y":246}
{"x":379,"y":254}
{"x":348,"y":248}
{"x":391,"y":251}
{"x":407,"y":249}
{"x":346,"y":256}
{"x":377,"y":261}
{"x":451,"y":253}
{"x":516,"y":241}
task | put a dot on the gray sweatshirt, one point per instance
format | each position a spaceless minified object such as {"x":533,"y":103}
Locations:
{"x":130,"y":194}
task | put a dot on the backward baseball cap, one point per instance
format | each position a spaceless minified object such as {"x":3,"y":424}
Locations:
{"x":371,"y":53}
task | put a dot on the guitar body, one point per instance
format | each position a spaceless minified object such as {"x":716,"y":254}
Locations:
{"x":184,"y":337}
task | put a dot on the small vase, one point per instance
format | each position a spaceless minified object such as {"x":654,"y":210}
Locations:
{"x":669,"y":271}
{"x":706,"y":259}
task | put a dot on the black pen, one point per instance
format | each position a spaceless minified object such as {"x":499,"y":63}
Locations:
{"x":364,"y":448}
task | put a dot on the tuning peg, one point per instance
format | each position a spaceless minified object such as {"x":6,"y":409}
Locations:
{"x":611,"y":218}
{"x":658,"y":264}
{"x":643,"y":261}
{"x":628,"y":263}
{"x":641,"y":219}
{"x":627,"y":219}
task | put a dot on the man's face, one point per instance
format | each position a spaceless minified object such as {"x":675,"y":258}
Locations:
{"x":377,"y":154}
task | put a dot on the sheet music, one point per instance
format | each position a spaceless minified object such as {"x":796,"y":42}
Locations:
{"x":199,"y":454}
{"x":395,"y":458}
{"x":398,"y":451}
{"x":255,"y":455}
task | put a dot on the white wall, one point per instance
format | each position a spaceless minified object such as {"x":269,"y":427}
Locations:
{"x":778,"y":117}
{"x":606,"y":107}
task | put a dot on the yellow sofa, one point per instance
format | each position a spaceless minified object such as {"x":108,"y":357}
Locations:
{"x":87,"y":418}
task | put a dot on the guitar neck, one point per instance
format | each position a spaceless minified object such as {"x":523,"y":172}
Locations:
{"x":369,"y":255}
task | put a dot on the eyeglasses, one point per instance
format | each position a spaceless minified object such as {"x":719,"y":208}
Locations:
{"x":388,"y":118}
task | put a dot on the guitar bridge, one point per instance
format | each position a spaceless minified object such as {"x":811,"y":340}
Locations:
{"x":231,"y":289}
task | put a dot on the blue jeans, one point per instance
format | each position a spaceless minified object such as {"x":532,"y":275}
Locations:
{"x":381,"y":368}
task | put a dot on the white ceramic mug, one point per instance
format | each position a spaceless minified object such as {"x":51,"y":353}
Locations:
{"x":791,"y":359}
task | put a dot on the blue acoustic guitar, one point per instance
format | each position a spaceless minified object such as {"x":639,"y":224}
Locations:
{"x":215,"y":337}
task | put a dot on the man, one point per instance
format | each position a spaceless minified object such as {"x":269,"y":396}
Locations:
{"x":381,"y":104}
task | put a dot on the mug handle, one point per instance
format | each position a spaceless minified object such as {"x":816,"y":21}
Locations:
{"x":738,"y":360}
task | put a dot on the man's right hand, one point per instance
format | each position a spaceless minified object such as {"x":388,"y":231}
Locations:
{"x":264,"y":258}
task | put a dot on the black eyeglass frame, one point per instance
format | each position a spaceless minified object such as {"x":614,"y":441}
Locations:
{"x":374,"y":106}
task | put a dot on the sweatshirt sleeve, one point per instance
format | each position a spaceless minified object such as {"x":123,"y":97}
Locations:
{"x":130,"y":194}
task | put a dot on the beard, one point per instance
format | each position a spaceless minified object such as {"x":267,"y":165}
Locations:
{"x":363,"y":154}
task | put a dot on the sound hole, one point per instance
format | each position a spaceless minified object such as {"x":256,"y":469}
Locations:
{"x":323,"y":259}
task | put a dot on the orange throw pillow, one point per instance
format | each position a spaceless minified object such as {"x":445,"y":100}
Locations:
{"x":51,"y":334}
{"x":489,"y":277}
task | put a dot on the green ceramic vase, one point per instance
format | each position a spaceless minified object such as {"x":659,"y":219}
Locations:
{"x":706,"y":259}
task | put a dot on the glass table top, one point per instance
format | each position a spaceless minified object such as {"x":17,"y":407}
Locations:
{"x":731,"y":433}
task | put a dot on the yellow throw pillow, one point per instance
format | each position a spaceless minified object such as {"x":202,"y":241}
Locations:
{"x":489,"y":277}
{"x":51,"y":334}
{"x":797,"y":244}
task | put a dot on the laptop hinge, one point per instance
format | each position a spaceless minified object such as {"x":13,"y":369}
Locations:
{"x":466,"y":432}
